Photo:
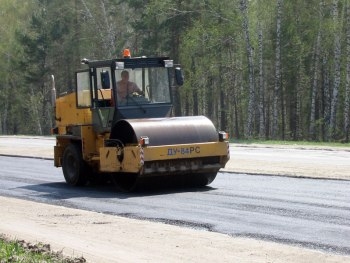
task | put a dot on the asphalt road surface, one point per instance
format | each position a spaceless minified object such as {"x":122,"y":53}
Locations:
{"x":311,"y":213}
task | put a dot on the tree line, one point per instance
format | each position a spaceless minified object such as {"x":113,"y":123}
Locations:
{"x":257,"y":68}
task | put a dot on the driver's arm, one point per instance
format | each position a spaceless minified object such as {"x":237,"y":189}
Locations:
{"x":135,"y":88}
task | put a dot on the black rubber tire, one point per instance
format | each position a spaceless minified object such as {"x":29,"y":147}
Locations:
{"x":73,"y":166}
{"x":204,"y":179}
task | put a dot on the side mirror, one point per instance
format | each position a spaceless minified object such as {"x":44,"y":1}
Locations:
{"x":105,"y":80}
{"x":179,"y":77}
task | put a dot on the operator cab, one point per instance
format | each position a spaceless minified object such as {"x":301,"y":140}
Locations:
{"x":128,"y":88}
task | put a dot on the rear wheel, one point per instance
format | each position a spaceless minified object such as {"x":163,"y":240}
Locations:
{"x":73,"y":166}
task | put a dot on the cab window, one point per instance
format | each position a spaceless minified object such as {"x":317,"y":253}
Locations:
{"x":83,"y":89}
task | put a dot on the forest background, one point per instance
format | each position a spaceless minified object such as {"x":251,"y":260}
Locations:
{"x":257,"y":68}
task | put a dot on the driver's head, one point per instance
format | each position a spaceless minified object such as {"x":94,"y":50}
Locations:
{"x":125,"y":75}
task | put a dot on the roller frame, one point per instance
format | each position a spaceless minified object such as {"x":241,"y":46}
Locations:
{"x":136,"y":158}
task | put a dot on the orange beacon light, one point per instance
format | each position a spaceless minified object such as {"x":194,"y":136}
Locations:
{"x":126,"y":53}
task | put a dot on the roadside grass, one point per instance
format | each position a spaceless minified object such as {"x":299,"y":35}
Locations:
{"x":293,"y":143}
{"x":20,"y":251}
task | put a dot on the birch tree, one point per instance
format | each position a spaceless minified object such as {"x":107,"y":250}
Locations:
{"x":347,"y":83}
{"x":14,"y":15}
{"x":336,"y":72}
{"x":101,"y":27}
{"x":106,"y":25}
{"x":326,"y":97}
{"x":262,"y":128}
{"x":249,"y":50}
{"x":278,"y":77}
{"x":315,"y":82}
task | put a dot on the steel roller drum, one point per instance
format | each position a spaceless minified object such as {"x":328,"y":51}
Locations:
{"x":166,"y":131}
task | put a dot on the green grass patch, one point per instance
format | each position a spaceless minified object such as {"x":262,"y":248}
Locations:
{"x":20,"y":251}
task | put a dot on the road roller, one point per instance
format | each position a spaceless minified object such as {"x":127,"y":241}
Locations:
{"x":117,"y":123}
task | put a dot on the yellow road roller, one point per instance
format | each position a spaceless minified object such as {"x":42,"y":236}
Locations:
{"x":117,"y":123}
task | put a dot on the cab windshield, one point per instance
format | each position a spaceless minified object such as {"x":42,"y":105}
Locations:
{"x":142,"y":86}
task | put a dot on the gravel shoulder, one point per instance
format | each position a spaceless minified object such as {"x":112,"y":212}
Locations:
{"x":106,"y":238}
{"x":320,"y":162}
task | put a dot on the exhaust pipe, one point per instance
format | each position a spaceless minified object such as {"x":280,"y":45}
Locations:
{"x":53,"y":92}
